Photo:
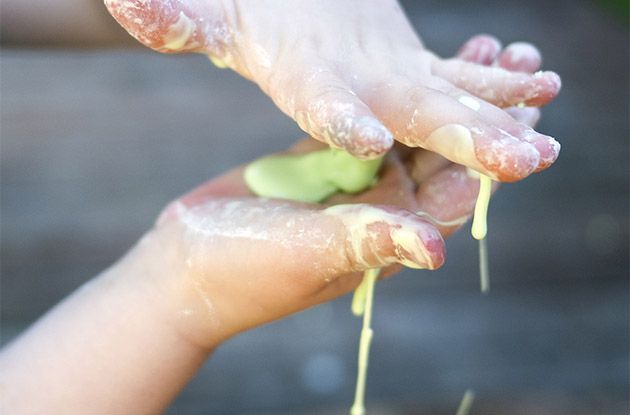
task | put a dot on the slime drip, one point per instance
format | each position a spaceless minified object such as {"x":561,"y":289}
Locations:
{"x":480,"y":229}
{"x":358,"y":298}
{"x":364,"y":294}
{"x":466,"y":403}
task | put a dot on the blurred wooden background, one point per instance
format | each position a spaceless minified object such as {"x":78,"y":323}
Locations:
{"x":95,"y":142}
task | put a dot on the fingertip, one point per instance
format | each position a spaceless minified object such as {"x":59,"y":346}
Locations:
{"x":386,"y":235}
{"x":330,"y":111}
{"x":520,"y":57}
{"x":436,"y":250}
{"x":500,"y":86}
{"x":506,"y":158}
{"x":482,"y":49}
{"x":368,"y":139}
{"x":363,"y":136}
{"x":547,"y":147}
{"x":168,"y":26}
{"x":545,"y":87}
{"x":552,"y":79}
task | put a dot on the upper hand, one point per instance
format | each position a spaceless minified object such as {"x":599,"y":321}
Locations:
{"x":354,"y":75}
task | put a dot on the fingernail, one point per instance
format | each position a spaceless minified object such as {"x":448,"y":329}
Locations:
{"x":364,"y":137}
{"x":409,"y":249}
{"x":547,"y":147}
{"x":480,"y":49}
{"x":520,"y":56}
{"x":415,"y":242}
{"x":552,"y":79}
{"x":367,"y":139}
{"x":546,"y":87}
{"x":509,"y":158}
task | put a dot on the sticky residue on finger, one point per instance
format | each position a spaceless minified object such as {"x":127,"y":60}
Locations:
{"x":454,"y":142}
{"x":413,"y":243}
{"x":339,"y":125}
{"x":179,"y":33}
{"x":548,"y":148}
{"x":171,"y":26}
{"x":502,"y":156}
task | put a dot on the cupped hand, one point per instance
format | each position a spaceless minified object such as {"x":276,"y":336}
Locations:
{"x":353,"y":74}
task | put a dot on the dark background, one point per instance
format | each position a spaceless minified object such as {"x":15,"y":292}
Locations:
{"x":95,"y":142}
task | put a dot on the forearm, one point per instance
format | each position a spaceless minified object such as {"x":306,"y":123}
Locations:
{"x":113,"y":346}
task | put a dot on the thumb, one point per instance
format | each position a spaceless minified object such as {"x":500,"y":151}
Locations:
{"x":343,"y":238}
{"x":254,"y":260}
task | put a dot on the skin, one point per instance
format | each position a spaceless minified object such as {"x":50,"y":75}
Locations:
{"x":217,"y":262}
{"x":354,"y":75}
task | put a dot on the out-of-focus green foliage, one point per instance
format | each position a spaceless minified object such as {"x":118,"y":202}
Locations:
{"x":620,"y":8}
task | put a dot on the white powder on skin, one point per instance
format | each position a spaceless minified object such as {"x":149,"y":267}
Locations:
{"x":470,"y":102}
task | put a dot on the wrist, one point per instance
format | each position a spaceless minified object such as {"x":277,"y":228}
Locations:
{"x":160,"y":268}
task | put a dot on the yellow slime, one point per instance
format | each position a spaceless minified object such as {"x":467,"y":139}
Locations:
{"x":364,"y":295}
{"x":480,"y":229}
{"x":466,"y":403}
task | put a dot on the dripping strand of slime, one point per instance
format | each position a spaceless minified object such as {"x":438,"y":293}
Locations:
{"x":466,"y":403}
{"x":480,"y":229}
{"x":358,"y":298}
{"x":362,"y":304}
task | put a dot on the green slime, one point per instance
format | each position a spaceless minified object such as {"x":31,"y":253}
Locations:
{"x":310,"y":177}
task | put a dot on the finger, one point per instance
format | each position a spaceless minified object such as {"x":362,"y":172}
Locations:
{"x":448,"y":210}
{"x":548,"y":148}
{"x":523,"y":57}
{"x":498,"y":86}
{"x":294,"y":237}
{"x":424,"y":164}
{"x":482,"y":49}
{"x":517,"y":56}
{"x":327,"y":109}
{"x":520,"y":57}
{"x":174,"y":26}
{"x":428,"y":118}
{"x":526,"y":115}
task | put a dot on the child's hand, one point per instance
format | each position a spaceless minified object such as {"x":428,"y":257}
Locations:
{"x":354,"y":74}
{"x":239,"y":261}
{"x":217,"y":262}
